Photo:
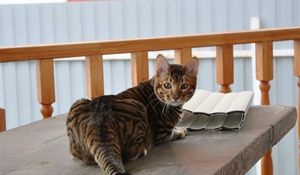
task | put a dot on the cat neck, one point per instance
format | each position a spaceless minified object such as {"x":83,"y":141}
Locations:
{"x":158,"y":111}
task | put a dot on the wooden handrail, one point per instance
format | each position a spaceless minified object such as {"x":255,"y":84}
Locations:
{"x":151,"y":44}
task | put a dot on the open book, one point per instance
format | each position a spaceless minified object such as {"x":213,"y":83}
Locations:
{"x":214,"y":110}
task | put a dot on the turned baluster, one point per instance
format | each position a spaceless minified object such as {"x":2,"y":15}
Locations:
{"x":298,"y":111}
{"x":183,"y":55}
{"x":297,"y":74}
{"x":224,"y":67}
{"x":45,"y":86}
{"x":264,"y":73}
{"x":94,"y":76}
{"x":139,"y":67}
{"x":2,"y":120}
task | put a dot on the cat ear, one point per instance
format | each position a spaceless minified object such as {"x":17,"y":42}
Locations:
{"x":162,"y":65}
{"x":191,"y":67}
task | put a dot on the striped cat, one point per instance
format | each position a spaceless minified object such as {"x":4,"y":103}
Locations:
{"x":115,"y":128}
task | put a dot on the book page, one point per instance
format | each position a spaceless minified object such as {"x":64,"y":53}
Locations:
{"x":241,"y":102}
{"x":196,"y":100}
{"x":214,"y":110}
{"x":224,"y":104}
{"x":209,"y":103}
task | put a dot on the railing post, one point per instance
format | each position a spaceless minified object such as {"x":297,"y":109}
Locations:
{"x":264,"y":73}
{"x":224,"y":67}
{"x":139,"y":67}
{"x":297,"y":74}
{"x":45,"y":86}
{"x":94,"y":76}
{"x":2,"y":120}
{"x":183,"y":55}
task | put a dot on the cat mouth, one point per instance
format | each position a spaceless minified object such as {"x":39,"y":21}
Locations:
{"x":176,"y":103}
{"x":172,"y":102}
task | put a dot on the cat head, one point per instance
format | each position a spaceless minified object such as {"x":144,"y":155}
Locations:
{"x":175,"y":84}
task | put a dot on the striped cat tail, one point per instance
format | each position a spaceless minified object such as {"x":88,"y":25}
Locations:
{"x":108,"y":157}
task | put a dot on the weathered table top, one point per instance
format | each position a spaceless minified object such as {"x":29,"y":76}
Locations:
{"x":42,"y":148}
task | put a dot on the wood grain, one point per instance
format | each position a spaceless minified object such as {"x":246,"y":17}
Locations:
{"x":266,"y":163}
{"x":182,"y":56}
{"x":45,"y":86}
{"x":224,"y":67}
{"x":297,"y":58}
{"x":264,"y":89}
{"x":2,"y":120}
{"x":148,"y":44}
{"x":94,"y":76}
{"x":139,"y":67}
{"x":264,"y":61}
{"x":234,"y":153}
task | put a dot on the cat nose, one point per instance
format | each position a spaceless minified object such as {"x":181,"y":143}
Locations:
{"x":176,"y":96}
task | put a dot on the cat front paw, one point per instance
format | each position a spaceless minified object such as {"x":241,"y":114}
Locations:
{"x":179,"y":132}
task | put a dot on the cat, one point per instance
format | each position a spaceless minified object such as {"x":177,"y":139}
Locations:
{"x":115,"y":128}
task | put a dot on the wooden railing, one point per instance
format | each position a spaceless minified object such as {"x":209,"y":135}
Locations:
{"x":139,"y":48}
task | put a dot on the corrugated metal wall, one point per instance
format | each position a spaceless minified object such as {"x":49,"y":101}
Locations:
{"x":62,"y":22}
{"x":69,"y":22}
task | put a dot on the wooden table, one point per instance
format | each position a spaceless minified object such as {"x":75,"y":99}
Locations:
{"x":42,"y":148}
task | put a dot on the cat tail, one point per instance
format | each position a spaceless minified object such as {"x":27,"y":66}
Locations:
{"x":108,"y":157}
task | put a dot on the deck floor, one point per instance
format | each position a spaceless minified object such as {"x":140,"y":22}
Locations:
{"x":41,"y":148}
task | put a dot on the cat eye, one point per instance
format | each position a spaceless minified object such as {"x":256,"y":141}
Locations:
{"x":184,"y":86}
{"x":167,"y":85}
